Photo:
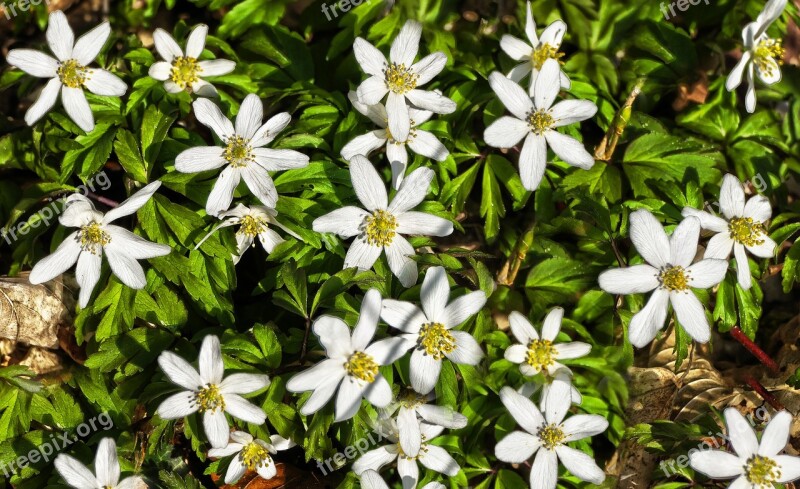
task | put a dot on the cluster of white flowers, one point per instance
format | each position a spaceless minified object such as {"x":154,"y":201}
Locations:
{"x":673,"y":270}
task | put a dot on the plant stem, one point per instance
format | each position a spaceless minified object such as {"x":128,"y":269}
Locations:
{"x":772,"y":400}
{"x":760,"y":354}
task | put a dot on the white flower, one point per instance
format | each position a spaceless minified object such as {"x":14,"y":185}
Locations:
{"x":400,"y":77}
{"x":430,"y":331}
{"x":372,"y":480}
{"x":241,"y":153}
{"x":68,"y":72}
{"x":534,"y":55}
{"x":382,"y":225}
{"x":352,"y":365}
{"x":412,"y":404}
{"x":97,"y":236}
{"x":742,"y":227}
{"x":563,"y":375}
{"x":547,"y":436}
{"x":534,"y":354}
{"x":419,"y":141}
{"x":207,"y":393}
{"x":251,"y":454}
{"x":181,"y":71}
{"x":754,"y":465}
{"x":431,"y":456}
{"x":106,"y":465}
{"x":254,"y":222}
{"x":670,"y":273}
{"x":762,"y":55}
{"x":536,"y":119}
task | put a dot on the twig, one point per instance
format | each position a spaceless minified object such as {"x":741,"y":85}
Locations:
{"x":304,"y":349}
{"x":756,"y":385}
{"x":760,"y":354}
{"x":102,"y":200}
{"x":617,"y":254}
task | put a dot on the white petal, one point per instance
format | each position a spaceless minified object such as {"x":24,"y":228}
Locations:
{"x":735,"y":77}
{"x":575,"y":349}
{"x":215,"y":67}
{"x":397,"y":112}
{"x":364,"y":144}
{"x":126,"y":268}
{"x":719,"y":246}
{"x":201,"y":158}
{"x":75,"y":473}
{"x":208,"y":114}
{"x":582,"y":426}
{"x":77,"y":107}
{"x":569,"y":149}
{"x":544,"y":471}
{"x":516,"y":353}
{"x":521,"y":328}
{"x":379,"y":393}
{"x":345,"y":222}
{"x":371,"y":60}
{"x":758,"y":209}
{"x":201,"y":87}
{"x":348,"y":400}
{"x":267,"y":471}
{"x":516,"y":447}
{"x":221,"y":195}
{"x":269,"y":239}
{"x":197,"y":41}
{"x":467,"y":350}
{"x":558,"y":400}
{"x":361,"y":254}
{"x":429,"y":66}
{"x":464,"y":307}
{"x":707,"y":221}
{"x":771,"y":73}
{"x":731,"y":197}
{"x":87,"y":273}
{"x":741,"y":434}
{"x":683,"y":242}
{"x":554,"y":33}
{"x":406,"y":44}
{"x":432,"y":101}
{"x":367,"y":320}
{"x":47,"y":98}
{"x":437,"y":459}
{"x":423,"y":224}
{"x":60,"y":261}
{"x":750,"y":96}
{"x":742,"y":266}
{"x":772,"y":10}
{"x":512,"y":95}
{"x":522,"y":409}
{"x":132,"y":203}
{"x":172,"y":87}
{"x":243,"y":383}
{"x":367,"y":183}
{"x":572,"y":111}
{"x":372,"y":90}
{"x":635,"y":279}
{"x":34,"y":63}
{"x":210,"y":361}
{"x":775,"y":435}
{"x":412,"y":191}
{"x":740,"y":483}
{"x":408,"y":470}
{"x":260,"y":184}
{"x":239,"y":408}
{"x":404,"y":316}
{"x":580,"y":464}
{"x":424,"y":371}
{"x":250,"y":116}
{"x":166,"y":46}
{"x":691,"y":315}
{"x":101,"y":82}
{"x":442,"y":416}
{"x":505,"y":132}
{"x":373,"y":460}
{"x":179,"y":371}
{"x":532,"y":161}
{"x":649,"y":320}
{"x":707,"y":273}
{"x":89,"y":45}
{"x":649,"y":238}
{"x":765,"y":249}
{"x":177,"y":406}
{"x":434,"y":294}
{"x":552,"y":324}
{"x":398,"y":255}
{"x":515,"y":48}
{"x":790,"y":467}
{"x":106,"y":464}
{"x":397,"y":155}
{"x":216,"y":428}
{"x":530,"y":25}
{"x":314,"y":377}
{"x":279,"y":159}
{"x":270,"y":129}
{"x":235,"y":471}
{"x":160,"y":70}
{"x":59,"y":36}
{"x":426,"y":144}
{"x":517,"y":73}
{"x":408,"y":426}
{"x":548,"y":84}
{"x":132,"y":245}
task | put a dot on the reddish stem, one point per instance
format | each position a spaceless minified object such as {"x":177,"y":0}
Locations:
{"x":102,"y":200}
{"x":756,"y":385}
{"x":762,"y":356}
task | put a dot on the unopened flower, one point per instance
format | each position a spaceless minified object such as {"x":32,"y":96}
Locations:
{"x":670,"y":273}
{"x":540,"y":49}
{"x":183,"y":71}
{"x":96,"y":237}
{"x":251,"y":454}
{"x":242,"y":152}
{"x":762,"y":54}
{"x":546,"y":434}
{"x":353,"y":363}
{"x":254,"y":222}
{"x":69,"y":71}
{"x":208,"y":393}
{"x":430,"y":332}
{"x":419,"y":141}
{"x":382,"y":226}
{"x":106,"y":466}
{"x":400,"y":77}
{"x":536,"y":120}
{"x":413,"y":408}
{"x":372,"y":480}
{"x":535,"y":354}
{"x":741,"y":227}
{"x":755,"y":465}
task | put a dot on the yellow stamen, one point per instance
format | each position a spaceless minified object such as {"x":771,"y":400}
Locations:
{"x":72,"y":74}
{"x":674,"y":278}
{"x":209,"y":399}
{"x":540,"y":354}
{"x":362,"y":366}
{"x":400,"y":79}
{"x":747,"y":232}
{"x":92,"y":238}
{"x":551,"y":436}
{"x":540,"y":120}
{"x":762,"y":471}
{"x":542,"y":53}
{"x":254,"y":456}
{"x":238,"y":152}
{"x":185,"y":72}
{"x":380,"y":228}
{"x":412,"y":400}
{"x":252,"y":226}
{"x":436,"y":340}
{"x":765,"y":52}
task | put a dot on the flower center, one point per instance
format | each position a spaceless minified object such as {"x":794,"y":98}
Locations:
{"x":412,"y":400}
{"x":412,"y":133}
{"x":761,"y":471}
{"x":379,"y":228}
{"x":542,"y":53}
{"x":93,"y":238}
{"x":400,"y":79}
{"x":745,"y":231}
{"x":252,"y":226}
{"x":72,"y":74}
{"x":238,"y":151}
{"x":551,"y":436}
{"x":674,"y":278}
{"x":436,"y":340}
{"x":540,"y":354}
{"x":209,"y":399}
{"x":765,"y":52}
{"x":362,"y":366}
{"x":254,"y":455}
{"x":540,"y":120}
{"x":185,"y":71}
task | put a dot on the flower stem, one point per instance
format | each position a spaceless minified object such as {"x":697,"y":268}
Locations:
{"x":772,"y":400}
{"x":760,"y":354}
